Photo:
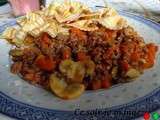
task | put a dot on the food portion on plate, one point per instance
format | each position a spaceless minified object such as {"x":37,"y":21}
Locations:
{"x":68,"y":48}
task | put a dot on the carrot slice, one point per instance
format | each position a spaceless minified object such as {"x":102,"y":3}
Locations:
{"x":67,"y":53}
{"x":79,"y":34}
{"x":81,"y":56}
{"x":96,"y":84}
{"x":45,"y":38}
{"x":106,"y":82}
{"x":135,"y":56}
{"x":124,"y":65}
{"x":150,"y":56}
{"x":45,"y":63}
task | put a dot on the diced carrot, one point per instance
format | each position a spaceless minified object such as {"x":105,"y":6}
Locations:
{"x":45,"y":37}
{"x":147,"y":65}
{"x":45,"y":41}
{"x":152,"y":47}
{"x":110,"y":34}
{"x":96,"y":84}
{"x":67,"y":53}
{"x":105,"y":84}
{"x":106,"y":81}
{"x":124,"y":65}
{"x":80,"y":34}
{"x":45,"y":63}
{"x":135,"y":56}
{"x":149,"y":62}
{"x":81,"y":55}
{"x":127,"y":47}
{"x":150,"y":56}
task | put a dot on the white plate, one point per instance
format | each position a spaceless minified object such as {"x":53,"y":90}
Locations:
{"x":22,"y":100}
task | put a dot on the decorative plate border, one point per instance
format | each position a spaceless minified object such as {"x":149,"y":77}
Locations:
{"x":134,"y":109}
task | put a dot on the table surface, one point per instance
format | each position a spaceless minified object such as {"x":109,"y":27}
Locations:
{"x":147,"y":8}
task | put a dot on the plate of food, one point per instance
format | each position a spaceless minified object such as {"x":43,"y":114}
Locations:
{"x":69,"y":62}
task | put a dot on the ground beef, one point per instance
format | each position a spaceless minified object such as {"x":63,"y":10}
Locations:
{"x":106,"y":48}
{"x":16,"y":67}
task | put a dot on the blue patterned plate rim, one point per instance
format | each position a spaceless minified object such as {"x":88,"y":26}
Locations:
{"x":134,"y":109}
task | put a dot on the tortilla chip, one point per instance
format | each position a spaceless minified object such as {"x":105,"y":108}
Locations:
{"x":9,"y":33}
{"x":20,"y":34}
{"x":90,"y":16}
{"x":86,"y":25}
{"x":37,"y":31}
{"x":21,"y":21}
{"x":70,"y":11}
{"x":113,"y":22}
{"x":33,"y":21}
{"x":110,"y":19}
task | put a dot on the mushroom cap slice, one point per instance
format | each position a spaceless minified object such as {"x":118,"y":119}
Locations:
{"x":64,"y":90}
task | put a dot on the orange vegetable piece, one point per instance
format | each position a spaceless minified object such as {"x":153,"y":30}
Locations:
{"x":105,"y":84}
{"x":110,"y":34}
{"x":151,"y":54}
{"x":78,"y":33}
{"x":124,"y":65}
{"x":106,"y":81}
{"x":81,"y":56}
{"x":135,"y":56}
{"x":67,"y":53}
{"x":45,"y":63}
{"x":96,"y":84}
{"x":45,"y":38}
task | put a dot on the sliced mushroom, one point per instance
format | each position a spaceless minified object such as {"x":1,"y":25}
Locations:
{"x":114,"y":71}
{"x":78,"y":74}
{"x":75,"y":71}
{"x":132,"y":73}
{"x":16,"y":52}
{"x":64,"y":90}
{"x":66,"y":65}
{"x":89,"y":66}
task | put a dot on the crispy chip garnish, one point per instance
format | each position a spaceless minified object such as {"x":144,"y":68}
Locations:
{"x":90,"y":16}
{"x":33,"y":21}
{"x":50,"y":11}
{"x":63,"y":30}
{"x":37,"y":31}
{"x":21,"y":21}
{"x":86,"y":25}
{"x":113,"y":22}
{"x":70,"y":11}
{"x":106,"y":12}
{"x":58,"y":18}
{"x":110,"y":19}
{"x":18,"y":42}
{"x":9,"y":33}
{"x":52,"y":29}
{"x":20,"y":34}
{"x":14,"y":36}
